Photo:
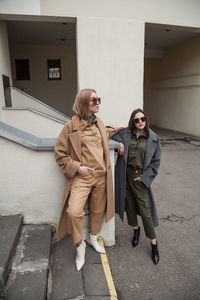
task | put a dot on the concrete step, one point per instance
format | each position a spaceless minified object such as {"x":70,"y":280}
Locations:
{"x":10,"y":230}
{"x":29,"y":272}
{"x":66,"y":283}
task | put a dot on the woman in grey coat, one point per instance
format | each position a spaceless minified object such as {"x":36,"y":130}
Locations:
{"x":136,"y":167}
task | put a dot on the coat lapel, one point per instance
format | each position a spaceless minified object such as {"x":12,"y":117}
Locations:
{"x":104,"y":136}
{"x":127,"y":142}
{"x":75,"y":137}
{"x":151,"y":145}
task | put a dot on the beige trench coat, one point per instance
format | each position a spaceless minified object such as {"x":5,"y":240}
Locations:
{"x":68,"y":157}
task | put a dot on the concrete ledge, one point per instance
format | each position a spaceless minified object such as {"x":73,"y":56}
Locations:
{"x":27,"y":286}
{"x":10,"y":229}
{"x":28,"y":277}
{"x":33,"y":142}
{"x":26,"y":139}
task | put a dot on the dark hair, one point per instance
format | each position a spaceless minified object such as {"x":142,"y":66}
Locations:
{"x":81,"y":102}
{"x":131,"y":124}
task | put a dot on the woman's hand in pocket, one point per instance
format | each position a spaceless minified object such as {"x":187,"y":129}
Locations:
{"x":137,"y":179}
{"x":83,"y":170}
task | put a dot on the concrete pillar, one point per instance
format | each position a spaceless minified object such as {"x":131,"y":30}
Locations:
{"x":110,"y":56}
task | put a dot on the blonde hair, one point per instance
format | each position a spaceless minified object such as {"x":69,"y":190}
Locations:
{"x":81,"y":102}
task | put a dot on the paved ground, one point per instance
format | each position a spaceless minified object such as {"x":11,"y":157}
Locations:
{"x":177,"y":193}
{"x":66,"y":283}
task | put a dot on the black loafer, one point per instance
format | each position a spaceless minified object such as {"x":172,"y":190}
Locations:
{"x":136,"y":236}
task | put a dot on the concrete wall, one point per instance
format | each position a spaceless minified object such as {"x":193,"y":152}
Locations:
{"x":30,"y":183}
{"x":175,"y":12}
{"x":4,"y":60}
{"x":172,"y":88}
{"x":110,"y":60}
{"x":20,"y":7}
{"x":59,"y":94}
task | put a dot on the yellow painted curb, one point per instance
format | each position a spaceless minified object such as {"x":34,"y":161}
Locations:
{"x":106,"y":267}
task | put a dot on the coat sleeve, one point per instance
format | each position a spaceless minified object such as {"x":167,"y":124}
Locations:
{"x":111,"y":130}
{"x":152,"y":170}
{"x":119,"y":136}
{"x":68,"y":166}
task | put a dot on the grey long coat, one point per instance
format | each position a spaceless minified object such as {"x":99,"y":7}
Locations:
{"x":150,"y":170}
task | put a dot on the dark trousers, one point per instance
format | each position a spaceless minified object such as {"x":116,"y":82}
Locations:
{"x":137,"y":203}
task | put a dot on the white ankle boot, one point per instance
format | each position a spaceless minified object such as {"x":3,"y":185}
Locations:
{"x":80,"y":255}
{"x":92,"y":240}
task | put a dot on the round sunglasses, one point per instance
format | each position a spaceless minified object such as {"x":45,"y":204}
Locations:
{"x":137,"y":120}
{"x":96,"y":100}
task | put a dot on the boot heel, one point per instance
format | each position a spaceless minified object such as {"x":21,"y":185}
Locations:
{"x":136,"y":237}
{"x":92,"y":240}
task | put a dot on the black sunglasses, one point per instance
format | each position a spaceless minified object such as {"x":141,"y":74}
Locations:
{"x":95,"y":100}
{"x":137,"y":120}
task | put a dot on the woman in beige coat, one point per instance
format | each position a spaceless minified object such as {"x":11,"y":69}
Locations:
{"x":82,"y":153}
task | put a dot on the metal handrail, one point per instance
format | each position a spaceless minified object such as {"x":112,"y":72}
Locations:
{"x":40,"y":102}
{"x":36,"y":112}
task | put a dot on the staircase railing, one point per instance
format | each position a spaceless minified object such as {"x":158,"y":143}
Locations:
{"x":37,"y":112}
{"x":29,"y":102}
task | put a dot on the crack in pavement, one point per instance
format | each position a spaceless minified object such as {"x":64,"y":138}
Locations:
{"x":175,"y":218}
{"x":189,"y":140}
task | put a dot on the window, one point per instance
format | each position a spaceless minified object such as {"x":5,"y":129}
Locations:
{"x":22,"y":69}
{"x":54,"y":69}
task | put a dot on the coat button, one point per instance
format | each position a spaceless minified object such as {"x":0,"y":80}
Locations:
{"x":136,"y":171}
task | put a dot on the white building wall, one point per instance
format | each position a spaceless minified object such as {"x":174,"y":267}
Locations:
{"x":4,"y":59}
{"x":174,"y":12}
{"x":31,"y":183}
{"x":110,"y":60}
{"x":172,"y":88}
{"x":31,"y":7}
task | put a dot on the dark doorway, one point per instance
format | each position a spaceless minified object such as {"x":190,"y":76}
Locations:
{"x":7,"y":95}
{"x":44,"y":60}
{"x":22,"y":69}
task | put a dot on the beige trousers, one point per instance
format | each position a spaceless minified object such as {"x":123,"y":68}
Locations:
{"x":93,"y":184}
